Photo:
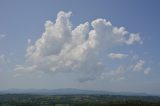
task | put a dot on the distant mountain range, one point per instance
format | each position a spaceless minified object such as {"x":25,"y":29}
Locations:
{"x":68,"y":91}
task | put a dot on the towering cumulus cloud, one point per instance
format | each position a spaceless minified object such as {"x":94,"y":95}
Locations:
{"x":83,"y":49}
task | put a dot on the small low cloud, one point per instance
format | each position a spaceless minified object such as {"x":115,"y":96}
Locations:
{"x":117,"y":55}
{"x":63,"y":48}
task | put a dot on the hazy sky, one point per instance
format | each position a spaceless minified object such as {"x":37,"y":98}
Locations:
{"x":87,"y":44}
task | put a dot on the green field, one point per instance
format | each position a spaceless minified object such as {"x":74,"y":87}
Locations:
{"x":77,"y":100}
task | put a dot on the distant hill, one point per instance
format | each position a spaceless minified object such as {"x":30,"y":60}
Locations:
{"x":68,"y":91}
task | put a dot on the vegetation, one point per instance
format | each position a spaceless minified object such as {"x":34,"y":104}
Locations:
{"x":77,"y":100}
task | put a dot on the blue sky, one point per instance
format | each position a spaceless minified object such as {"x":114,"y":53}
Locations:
{"x":125,"y":66}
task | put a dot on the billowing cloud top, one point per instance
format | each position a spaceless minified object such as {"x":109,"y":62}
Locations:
{"x":63,"y":48}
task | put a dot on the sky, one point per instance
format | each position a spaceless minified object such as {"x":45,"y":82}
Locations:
{"x":96,"y":45}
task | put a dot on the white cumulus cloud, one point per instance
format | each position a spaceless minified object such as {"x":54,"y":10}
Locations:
{"x":134,"y":38}
{"x":63,"y":48}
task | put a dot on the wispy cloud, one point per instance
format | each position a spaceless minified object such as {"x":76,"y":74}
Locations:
{"x":2,"y":36}
{"x":4,"y":59}
{"x":115,"y":74}
{"x":139,"y":65}
{"x":147,"y":71}
{"x":117,"y":55}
